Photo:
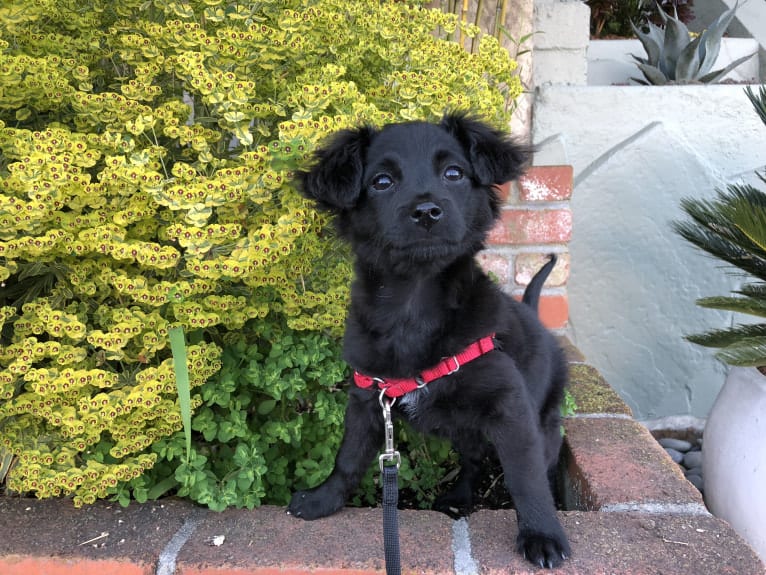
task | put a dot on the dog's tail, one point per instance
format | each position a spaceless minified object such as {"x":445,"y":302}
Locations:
{"x":532,"y":292}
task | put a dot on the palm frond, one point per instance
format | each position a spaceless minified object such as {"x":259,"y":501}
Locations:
{"x":731,"y":227}
{"x":745,"y":353}
{"x":754,"y":290}
{"x":747,"y":305}
{"x":758,"y":101}
{"x":730,"y":336}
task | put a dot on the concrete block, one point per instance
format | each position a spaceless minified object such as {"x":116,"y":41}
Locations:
{"x":561,"y":25}
{"x":560,"y":67}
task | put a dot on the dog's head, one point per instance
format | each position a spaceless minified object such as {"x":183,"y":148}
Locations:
{"x":414,"y":196}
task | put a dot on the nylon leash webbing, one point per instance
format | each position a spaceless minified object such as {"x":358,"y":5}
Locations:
{"x":389,"y":468}
{"x":391,"y":520}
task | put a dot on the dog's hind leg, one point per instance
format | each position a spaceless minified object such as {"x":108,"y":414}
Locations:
{"x":362,"y":438}
{"x":472,"y":448}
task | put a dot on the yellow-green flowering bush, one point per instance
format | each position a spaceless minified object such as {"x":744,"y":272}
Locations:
{"x":146,"y":148}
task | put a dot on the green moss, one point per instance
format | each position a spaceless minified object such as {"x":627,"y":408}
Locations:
{"x":592,"y":394}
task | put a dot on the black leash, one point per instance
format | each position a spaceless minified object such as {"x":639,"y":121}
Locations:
{"x":389,"y":469}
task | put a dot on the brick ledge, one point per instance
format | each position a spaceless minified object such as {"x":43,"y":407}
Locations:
{"x":633,"y":513}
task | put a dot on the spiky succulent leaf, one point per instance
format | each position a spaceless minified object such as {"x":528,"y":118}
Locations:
{"x":712,"y":77}
{"x":726,"y":337}
{"x":675,"y":40}
{"x":653,"y":74}
{"x":681,"y":58}
{"x":688,"y":61}
{"x":651,"y":41}
{"x":711,"y":39}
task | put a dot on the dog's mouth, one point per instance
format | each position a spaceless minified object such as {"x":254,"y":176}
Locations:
{"x":431,"y":250}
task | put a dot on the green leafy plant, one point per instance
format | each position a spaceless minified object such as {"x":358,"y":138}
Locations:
{"x":674,"y":56}
{"x":732,"y":228}
{"x":146,"y":148}
{"x":613,"y":18}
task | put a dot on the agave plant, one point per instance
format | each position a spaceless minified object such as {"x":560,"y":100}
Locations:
{"x":675,"y":56}
{"x":732,"y":228}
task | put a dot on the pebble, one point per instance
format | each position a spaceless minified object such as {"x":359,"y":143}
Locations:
{"x":677,"y":444}
{"x":697,"y":481}
{"x":675,"y":455}
{"x":688,"y":456}
{"x":693,"y":459}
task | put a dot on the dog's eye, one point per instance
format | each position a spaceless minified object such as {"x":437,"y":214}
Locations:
{"x":453,"y":173}
{"x":382,"y":182}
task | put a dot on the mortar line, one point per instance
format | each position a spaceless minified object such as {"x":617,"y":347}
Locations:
{"x":464,"y":563}
{"x":656,"y":507}
{"x":166,"y":563}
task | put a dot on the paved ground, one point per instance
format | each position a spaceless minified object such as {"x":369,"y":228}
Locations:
{"x":53,"y":538}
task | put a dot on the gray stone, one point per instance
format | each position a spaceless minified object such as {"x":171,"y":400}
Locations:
{"x":675,"y":455}
{"x":697,"y":481}
{"x":693,"y":471}
{"x":693,"y":459}
{"x":677,"y":444}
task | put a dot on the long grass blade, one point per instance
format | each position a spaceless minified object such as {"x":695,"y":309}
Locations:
{"x":178,"y":347}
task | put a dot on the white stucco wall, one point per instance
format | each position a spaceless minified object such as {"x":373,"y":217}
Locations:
{"x":636,"y":151}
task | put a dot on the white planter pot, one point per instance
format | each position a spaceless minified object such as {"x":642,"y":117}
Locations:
{"x":734,"y":456}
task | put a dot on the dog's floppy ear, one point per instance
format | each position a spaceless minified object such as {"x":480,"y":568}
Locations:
{"x":335,"y":180}
{"x":496,"y":158}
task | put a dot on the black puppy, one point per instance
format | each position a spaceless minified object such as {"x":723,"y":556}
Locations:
{"x":416,"y":201}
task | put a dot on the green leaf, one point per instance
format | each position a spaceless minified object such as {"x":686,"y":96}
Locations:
{"x":728,"y":336}
{"x":747,"y":305}
{"x":178,"y":348}
{"x":758,"y":101}
{"x":266,"y":406}
{"x":746,"y":353}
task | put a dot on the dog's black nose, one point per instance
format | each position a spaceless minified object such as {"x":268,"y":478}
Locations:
{"x":426,"y":214}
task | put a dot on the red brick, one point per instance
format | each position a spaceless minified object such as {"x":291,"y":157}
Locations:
{"x":521,"y":227}
{"x":546,"y":184}
{"x":554,"y":311}
{"x":72,"y":566}
{"x":624,"y":543}
{"x":266,"y":541}
{"x":496,"y":265}
{"x":616,"y":463}
{"x":527,"y":265}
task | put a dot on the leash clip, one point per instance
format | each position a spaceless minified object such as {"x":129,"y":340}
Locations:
{"x":389,"y":456}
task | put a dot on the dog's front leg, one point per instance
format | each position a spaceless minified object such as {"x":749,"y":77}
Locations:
{"x":362,"y":438}
{"x":541,"y":537}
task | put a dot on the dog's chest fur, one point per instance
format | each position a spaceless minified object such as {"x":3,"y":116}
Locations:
{"x":394,"y":325}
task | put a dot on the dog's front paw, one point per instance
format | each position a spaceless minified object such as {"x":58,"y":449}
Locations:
{"x":543,"y":550}
{"x":313,"y":504}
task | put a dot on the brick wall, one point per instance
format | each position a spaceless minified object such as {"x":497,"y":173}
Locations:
{"x":536,"y":220}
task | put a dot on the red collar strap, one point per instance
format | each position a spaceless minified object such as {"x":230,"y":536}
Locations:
{"x":448,"y":366}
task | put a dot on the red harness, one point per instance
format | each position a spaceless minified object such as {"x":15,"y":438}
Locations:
{"x":448,"y":366}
